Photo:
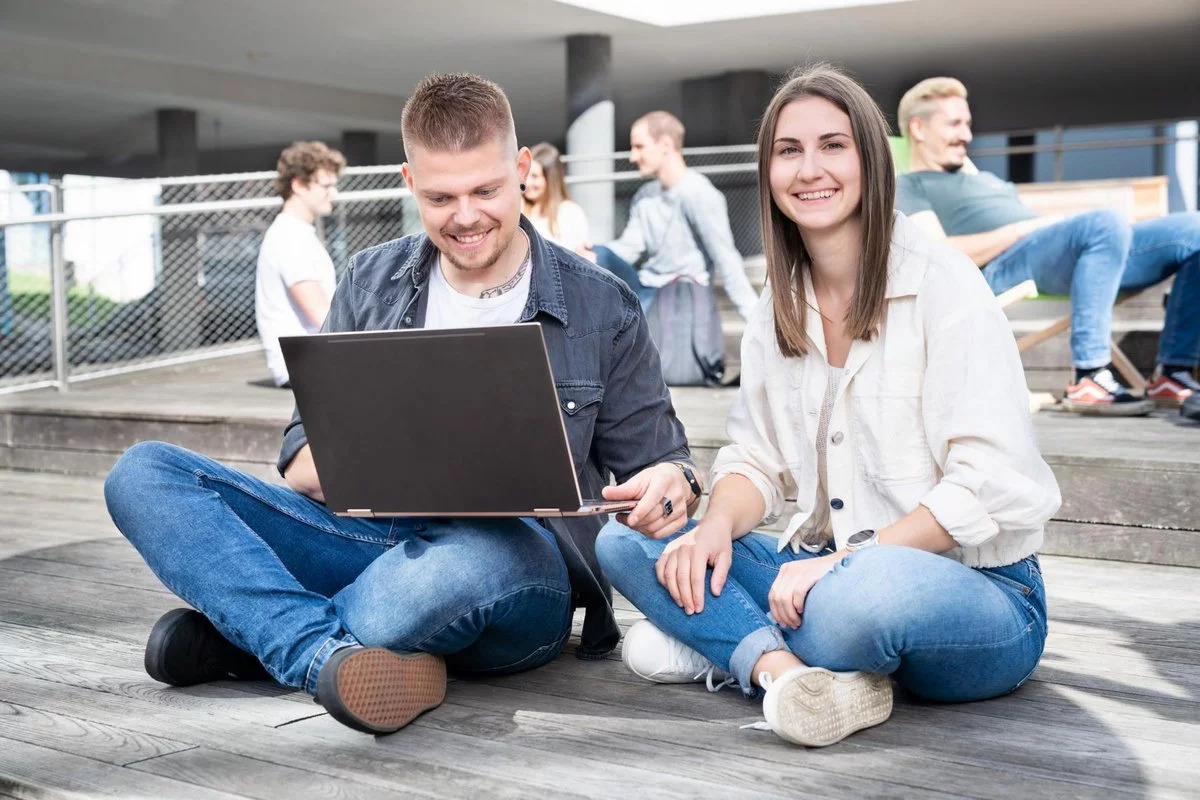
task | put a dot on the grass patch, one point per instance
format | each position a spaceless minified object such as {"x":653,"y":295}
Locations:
{"x":30,"y":297}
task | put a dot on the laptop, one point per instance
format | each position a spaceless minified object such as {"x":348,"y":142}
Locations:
{"x":437,"y":423}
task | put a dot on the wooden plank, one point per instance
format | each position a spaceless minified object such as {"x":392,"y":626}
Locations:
{"x":250,"y":777}
{"x":1144,"y":545}
{"x":570,"y":682}
{"x":847,"y":769}
{"x":44,"y":773}
{"x":355,"y":757}
{"x":227,"y":699}
{"x":1126,"y":494}
{"x":81,"y":737}
{"x":591,"y":775}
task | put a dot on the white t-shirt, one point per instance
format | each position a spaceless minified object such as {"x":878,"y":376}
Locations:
{"x":572,"y":226}
{"x":448,"y":308}
{"x":291,"y":252}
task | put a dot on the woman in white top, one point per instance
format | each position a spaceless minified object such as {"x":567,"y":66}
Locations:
{"x":548,"y":204}
{"x":881,"y":388}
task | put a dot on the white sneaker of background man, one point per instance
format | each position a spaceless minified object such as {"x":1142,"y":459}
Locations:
{"x":295,"y":279}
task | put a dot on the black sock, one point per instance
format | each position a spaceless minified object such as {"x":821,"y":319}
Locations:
{"x":1081,"y":373}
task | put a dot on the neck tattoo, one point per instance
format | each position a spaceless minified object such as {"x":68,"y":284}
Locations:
{"x":512,"y":282}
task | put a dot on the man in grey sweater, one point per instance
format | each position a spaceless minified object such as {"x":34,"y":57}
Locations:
{"x":678,"y":222}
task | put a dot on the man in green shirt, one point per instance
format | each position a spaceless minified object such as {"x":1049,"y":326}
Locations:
{"x":1090,"y":256}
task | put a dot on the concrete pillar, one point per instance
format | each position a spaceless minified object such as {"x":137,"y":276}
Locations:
{"x":725,"y":109}
{"x":590,"y":120}
{"x":179,"y":313}
{"x":178,"y":153}
{"x":361,"y":148}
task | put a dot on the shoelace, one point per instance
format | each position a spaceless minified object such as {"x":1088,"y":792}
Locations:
{"x":708,"y":674}
{"x":764,"y":681}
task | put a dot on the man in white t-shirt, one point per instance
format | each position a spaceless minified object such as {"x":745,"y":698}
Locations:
{"x":295,"y":279}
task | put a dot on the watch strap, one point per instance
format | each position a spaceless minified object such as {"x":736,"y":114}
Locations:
{"x":690,"y":476}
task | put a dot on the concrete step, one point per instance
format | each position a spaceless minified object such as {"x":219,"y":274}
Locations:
{"x":1131,"y":487}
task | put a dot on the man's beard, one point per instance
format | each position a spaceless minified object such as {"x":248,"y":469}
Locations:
{"x":955,"y":167}
{"x":487,"y":264}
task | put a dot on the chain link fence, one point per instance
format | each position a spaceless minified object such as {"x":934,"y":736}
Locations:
{"x":162,"y":271}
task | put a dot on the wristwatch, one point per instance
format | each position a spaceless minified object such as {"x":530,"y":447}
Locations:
{"x":690,"y":477}
{"x":864,"y":538}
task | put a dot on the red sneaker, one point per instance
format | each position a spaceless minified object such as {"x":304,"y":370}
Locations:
{"x":1101,"y":393}
{"x":1171,"y":389}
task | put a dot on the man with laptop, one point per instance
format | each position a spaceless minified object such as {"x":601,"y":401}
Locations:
{"x":422,"y":560}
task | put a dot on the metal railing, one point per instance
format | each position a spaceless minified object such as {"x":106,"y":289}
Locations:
{"x":120,"y":276}
{"x":117,"y":276}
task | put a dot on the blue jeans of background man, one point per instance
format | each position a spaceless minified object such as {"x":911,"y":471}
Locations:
{"x":944,"y":631}
{"x":625,"y":271}
{"x":284,"y":578}
{"x":1095,"y":255}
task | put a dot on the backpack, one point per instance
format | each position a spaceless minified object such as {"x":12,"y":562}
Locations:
{"x":684,"y":306}
{"x":685,"y":325}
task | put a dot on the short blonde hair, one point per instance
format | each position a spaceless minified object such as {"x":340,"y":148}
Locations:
{"x":663,"y":123}
{"x":456,"y":112}
{"x":921,"y":100}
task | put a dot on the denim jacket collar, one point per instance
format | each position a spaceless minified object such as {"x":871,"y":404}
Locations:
{"x":545,"y":289}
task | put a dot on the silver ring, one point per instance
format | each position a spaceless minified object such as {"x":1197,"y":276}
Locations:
{"x":668,"y":507}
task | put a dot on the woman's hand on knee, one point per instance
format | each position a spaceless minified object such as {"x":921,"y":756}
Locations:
{"x":792,"y":585}
{"x":683,"y":566}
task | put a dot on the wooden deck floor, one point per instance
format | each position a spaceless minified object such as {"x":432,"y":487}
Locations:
{"x":1112,"y":712}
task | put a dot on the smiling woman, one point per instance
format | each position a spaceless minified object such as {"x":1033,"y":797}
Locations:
{"x":896,"y":415}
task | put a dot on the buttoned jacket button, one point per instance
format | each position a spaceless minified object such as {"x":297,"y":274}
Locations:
{"x":836,"y":503}
{"x":837,"y":437}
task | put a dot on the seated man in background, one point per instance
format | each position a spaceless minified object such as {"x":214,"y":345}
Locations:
{"x":295,"y":280}
{"x":1090,"y":256}
{"x":367,"y":613}
{"x":678,"y":222}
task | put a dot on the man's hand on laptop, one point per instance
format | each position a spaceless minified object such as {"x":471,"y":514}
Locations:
{"x":301,"y":475}
{"x":663,"y":496}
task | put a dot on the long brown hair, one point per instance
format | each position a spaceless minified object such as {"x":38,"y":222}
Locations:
{"x":786,"y":255}
{"x":547,"y":156}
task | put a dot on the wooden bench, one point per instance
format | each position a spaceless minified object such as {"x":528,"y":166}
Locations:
{"x":1136,"y":199}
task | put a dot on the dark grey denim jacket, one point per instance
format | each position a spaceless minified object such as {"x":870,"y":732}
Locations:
{"x":618,"y":412}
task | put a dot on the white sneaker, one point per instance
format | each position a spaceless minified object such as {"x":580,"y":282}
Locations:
{"x":815,"y":707}
{"x":651,"y":654}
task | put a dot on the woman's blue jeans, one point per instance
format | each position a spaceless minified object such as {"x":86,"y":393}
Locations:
{"x":944,"y":631}
{"x":1095,"y":255}
{"x":284,"y":578}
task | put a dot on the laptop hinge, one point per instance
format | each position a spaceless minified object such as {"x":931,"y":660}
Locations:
{"x":547,"y":512}
{"x":359,"y":512}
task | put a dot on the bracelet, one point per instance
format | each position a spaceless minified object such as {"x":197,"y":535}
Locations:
{"x":690,"y":477}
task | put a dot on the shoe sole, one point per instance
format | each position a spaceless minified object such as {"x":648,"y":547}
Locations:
{"x":1138,"y":409}
{"x":379,"y":691}
{"x":162,"y":631}
{"x":1167,"y":402}
{"x":819,"y":708}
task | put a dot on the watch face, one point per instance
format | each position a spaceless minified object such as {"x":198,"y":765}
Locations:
{"x":862,"y":537}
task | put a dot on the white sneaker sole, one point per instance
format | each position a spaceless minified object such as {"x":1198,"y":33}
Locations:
{"x":816,"y":707}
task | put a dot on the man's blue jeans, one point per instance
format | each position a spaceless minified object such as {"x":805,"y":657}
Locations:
{"x":945,"y":631}
{"x":284,"y":578}
{"x":1095,"y":255}
{"x":625,"y":271}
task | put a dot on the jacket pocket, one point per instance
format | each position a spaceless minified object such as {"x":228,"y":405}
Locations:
{"x":579,"y":402}
{"x":889,"y":430}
